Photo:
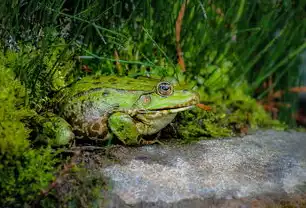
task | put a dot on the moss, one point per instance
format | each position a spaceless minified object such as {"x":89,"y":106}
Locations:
{"x":24,"y":171}
{"x":230,"y":119}
{"x":195,"y":124}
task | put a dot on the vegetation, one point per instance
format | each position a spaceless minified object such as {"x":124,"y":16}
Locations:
{"x":236,"y":54}
{"x":261,"y":40}
{"x":24,"y":171}
{"x":234,"y":115}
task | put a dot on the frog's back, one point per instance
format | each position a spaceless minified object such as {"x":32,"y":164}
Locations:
{"x":120,"y":83}
{"x":93,"y":96}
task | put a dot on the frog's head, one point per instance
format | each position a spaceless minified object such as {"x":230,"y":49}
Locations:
{"x":167,"y":98}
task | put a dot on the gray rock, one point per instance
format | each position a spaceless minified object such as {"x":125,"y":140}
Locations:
{"x":210,"y":172}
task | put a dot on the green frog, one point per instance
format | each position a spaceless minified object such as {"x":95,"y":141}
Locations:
{"x":99,"y":107}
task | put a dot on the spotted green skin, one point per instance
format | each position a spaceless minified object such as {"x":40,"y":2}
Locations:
{"x":98,"y":107}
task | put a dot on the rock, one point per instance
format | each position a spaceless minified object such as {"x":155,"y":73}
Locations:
{"x":228,"y":172}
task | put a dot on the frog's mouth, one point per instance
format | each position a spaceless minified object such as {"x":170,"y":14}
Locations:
{"x":166,"y":110}
{"x":171,"y":109}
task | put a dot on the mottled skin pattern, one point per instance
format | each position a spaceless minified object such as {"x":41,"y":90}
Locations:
{"x":98,"y":106}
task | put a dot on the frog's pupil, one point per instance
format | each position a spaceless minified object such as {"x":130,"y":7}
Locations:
{"x":165,"y":87}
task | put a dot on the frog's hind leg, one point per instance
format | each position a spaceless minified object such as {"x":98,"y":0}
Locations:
{"x":123,"y":126}
{"x":96,"y":129}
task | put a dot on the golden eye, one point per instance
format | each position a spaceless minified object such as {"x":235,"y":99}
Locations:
{"x":164,"y":89}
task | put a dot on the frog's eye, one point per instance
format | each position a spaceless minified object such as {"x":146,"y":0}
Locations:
{"x":164,"y":88}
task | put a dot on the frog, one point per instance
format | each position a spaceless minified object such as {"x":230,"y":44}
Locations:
{"x":102,"y":107}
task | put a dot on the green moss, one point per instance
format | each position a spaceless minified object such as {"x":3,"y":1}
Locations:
{"x":195,"y":124}
{"x":227,"y":120}
{"x":23,"y":171}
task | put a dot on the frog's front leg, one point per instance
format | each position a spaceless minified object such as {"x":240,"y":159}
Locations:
{"x":123,"y":126}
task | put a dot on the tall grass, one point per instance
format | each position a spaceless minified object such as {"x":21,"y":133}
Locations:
{"x":261,"y":39}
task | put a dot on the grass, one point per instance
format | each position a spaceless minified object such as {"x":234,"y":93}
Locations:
{"x":261,"y":40}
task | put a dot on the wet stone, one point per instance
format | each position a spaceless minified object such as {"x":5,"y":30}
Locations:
{"x":227,"y":172}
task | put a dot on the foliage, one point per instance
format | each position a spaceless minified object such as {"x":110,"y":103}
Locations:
{"x":262,"y":40}
{"x":43,"y":69}
{"x":24,"y":171}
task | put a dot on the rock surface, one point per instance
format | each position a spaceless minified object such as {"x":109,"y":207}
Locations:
{"x":210,"y":173}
